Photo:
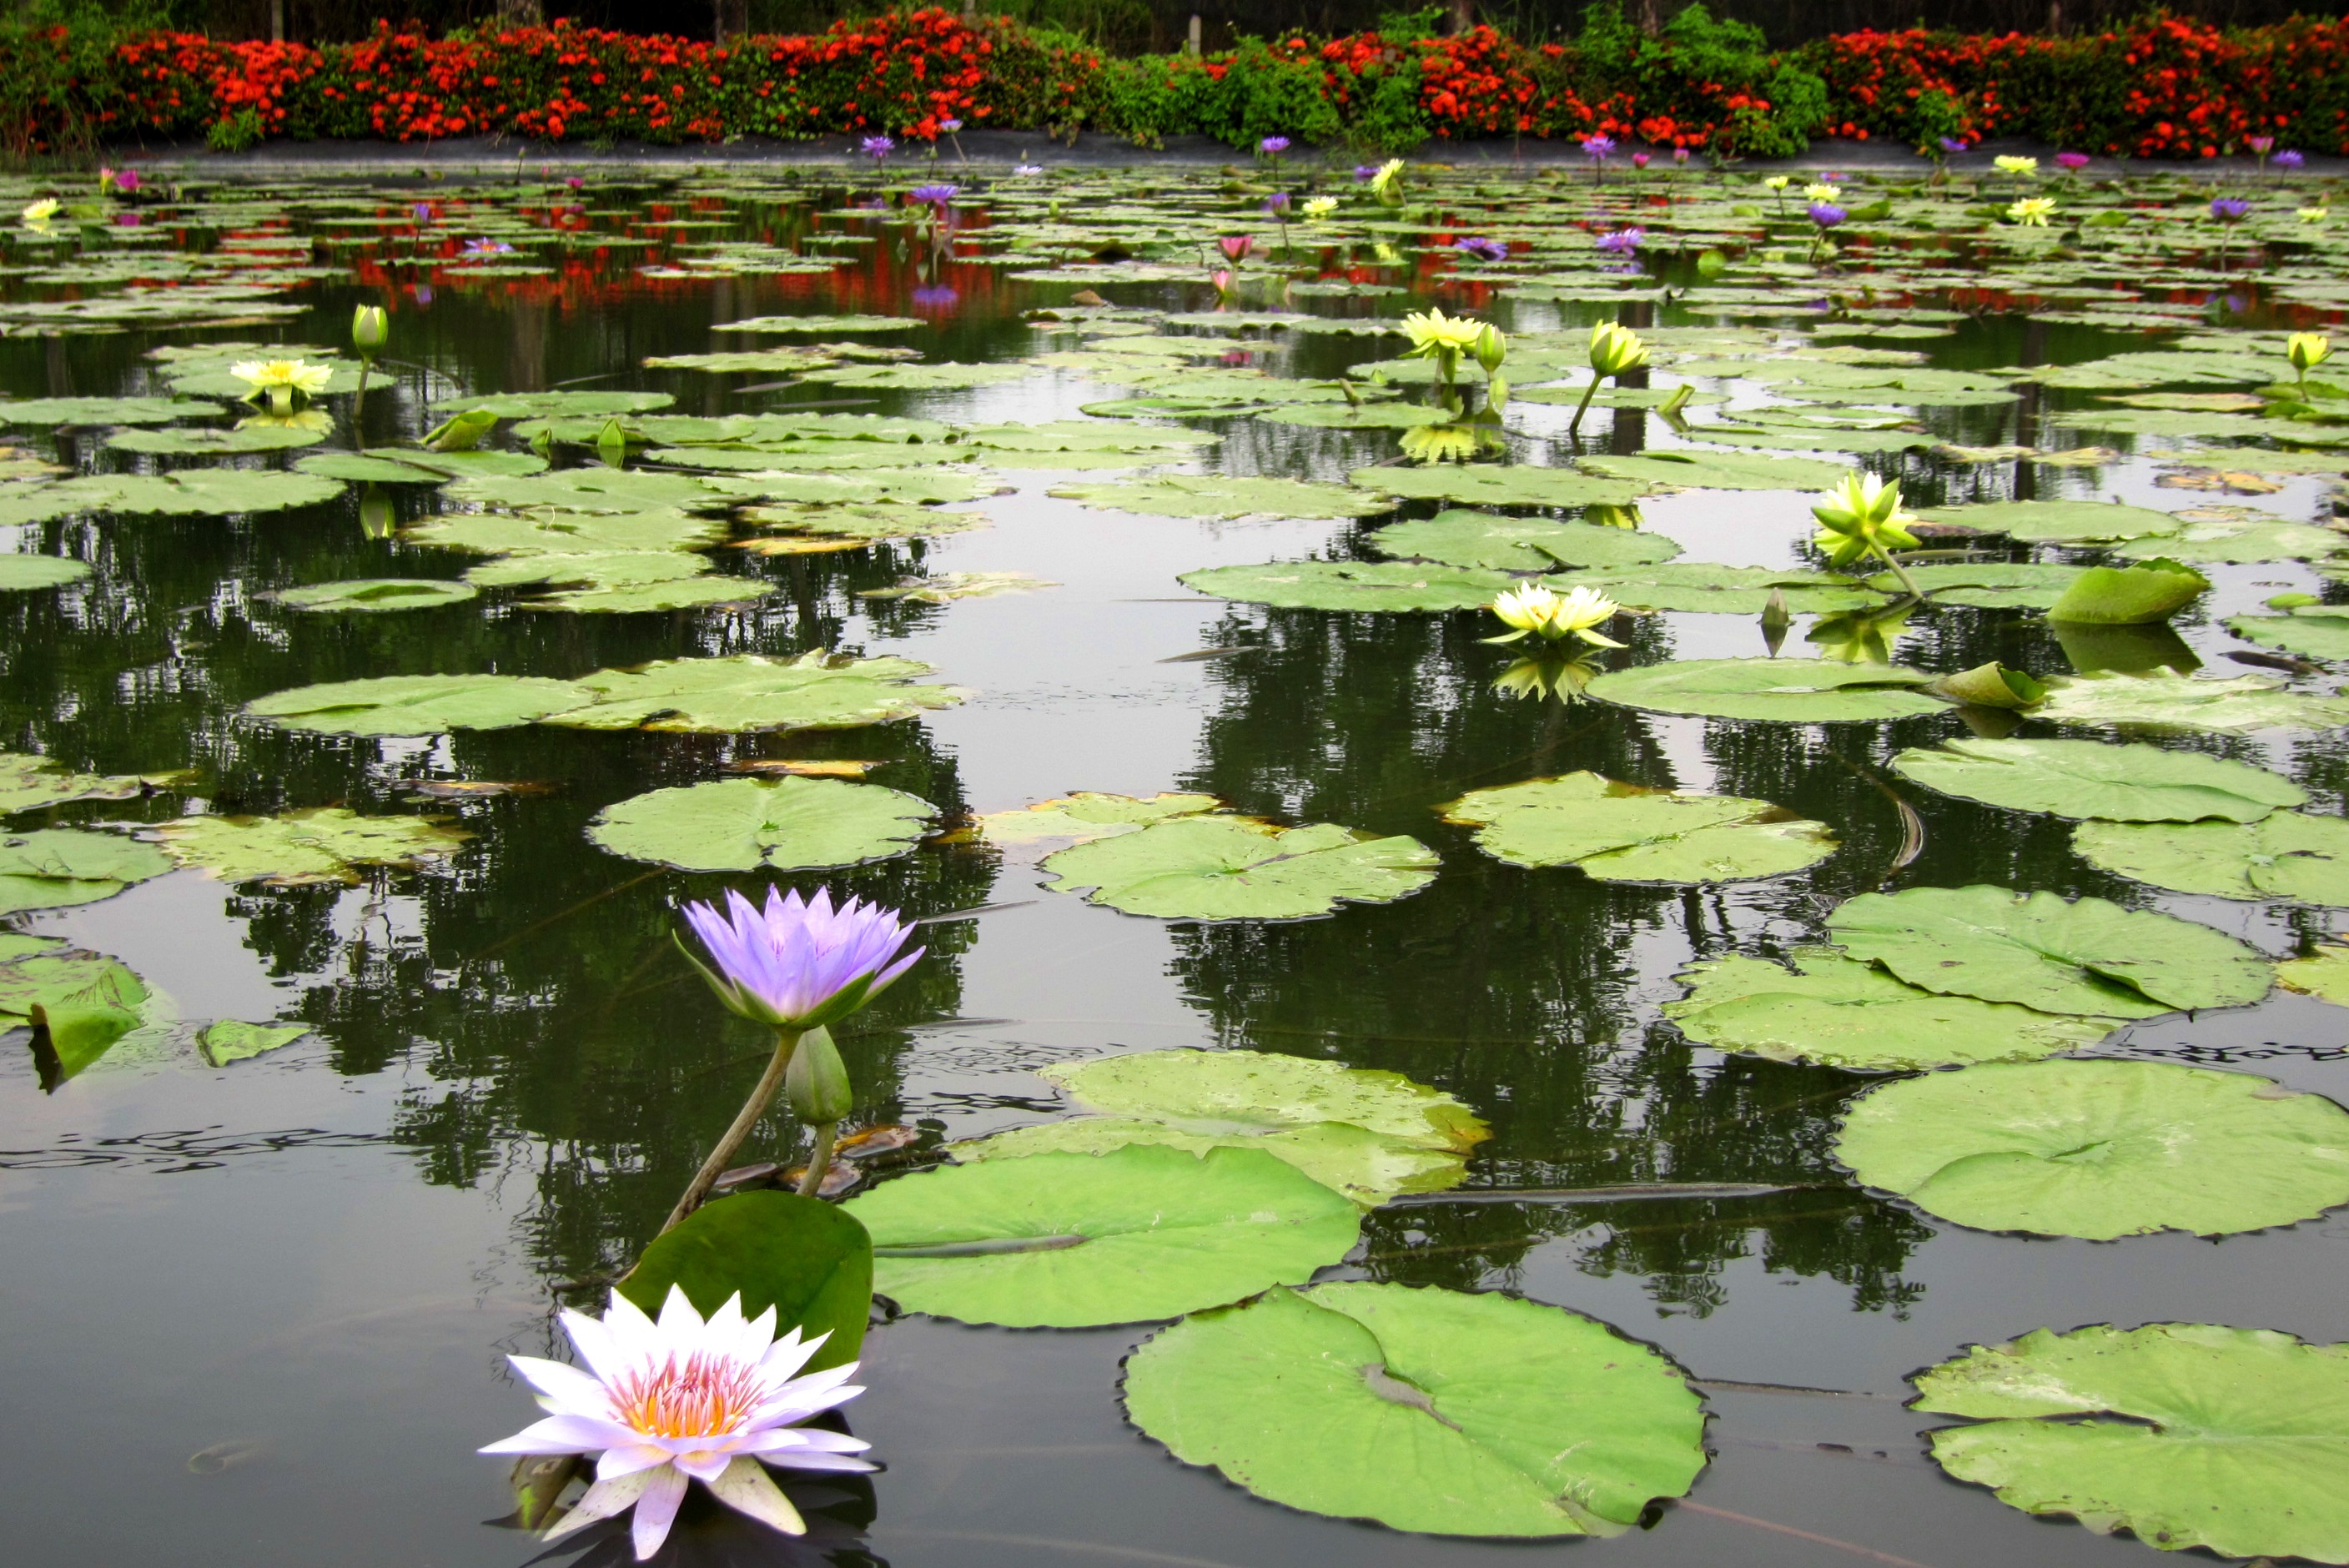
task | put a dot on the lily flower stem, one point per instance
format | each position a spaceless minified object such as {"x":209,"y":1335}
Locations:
{"x":358,"y":403}
{"x":1908,"y":583}
{"x":786,"y":1041}
{"x":1574,"y":425}
{"x":819,"y":1164}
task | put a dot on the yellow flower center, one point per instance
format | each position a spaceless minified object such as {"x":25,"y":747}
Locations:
{"x":699,"y":1395}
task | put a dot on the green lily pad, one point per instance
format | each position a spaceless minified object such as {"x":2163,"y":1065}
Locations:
{"x":2058,"y":522}
{"x":1242,"y":868}
{"x":2230,"y":1438}
{"x":53,"y":867}
{"x":1721,"y":471}
{"x":1709,"y":586}
{"x":820,"y":325}
{"x":588,"y":490}
{"x":556,"y":405}
{"x":746,"y":361}
{"x":1987,"y":585}
{"x":2324,"y":975}
{"x":378,"y":593}
{"x":2084,"y":778}
{"x":1106,"y":435}
{"x":2101,"y":1148}
{"x":2087,"y":956}
{"x":299,"y":848}
{"x":1349,"y":416}
{"x":2209,"y":542}
{"x":1368,"y":1134}
{"x":1840,"y":1012}
{"x":46,"y":978}
{"x":921,"y":377}
{"x":1614,"y":831}
{"x":1087,"y":814}
{"x":1791,"y":691}
{"x":233,"y":1041}
{"x":750,"y":691}
{"x":1071,"y":1241}
{"x":807,"y":1259}
{"x":1482,"y":541}
{"x":2129,"y":595}
{"x":637,"y":598}
{"x":2164,"y":700}
{"x":913,"y":486}
{"x":852,"y":524}
{"x":569,"y":533}
{"x":2314,"y":631}
{"x":1494,"y":484}
{"x":195,"y":492}
{"x":419,"y":704}
{"x":1226,"y":496}
{"x":33,"y":783}
{"x":944,"y":587}
{"x":2288,"y":856}
{"x":211,"y":442}
{"x":23,"y":574}
{"x":742,"y":824}
{"x":1361,"y":585}
{"x":60,"y":411}
{"x":1518,"y":1420}
{"x":595,"y":570}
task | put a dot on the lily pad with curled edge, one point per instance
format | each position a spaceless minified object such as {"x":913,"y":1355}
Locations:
{"x":2058,"y":522}
{"x":2084,"y":778}
{"x":2129,"y":595}
{"x":231,"y":1040}
{"x":1790,"y":691}
{"x":1087,"y":814}
{"x":192,"y":492}
{"x":33,"y":783}
{"x":1495,"y":484}
{"x":1720,"y":470}
{"x":1838,"y":1012}
{"x":1363,"y":586}
{"x":1423,"y":1410}
{"x":2324,"y":973}
{"x":23,"y":574}
{"x":1368,"y":1134}
{"x":2184,"y":1434}
{"x":1075,"y":1240}
{"x":785,"y":823}
{"x":299,"y":848}
{"x":1990,"y":685}
{"x":1987,"y":585}
{"x":2086,"y":957}
{"x":1226,"y":496}
{"x":2101,"y":1149}
{"x":920,"y":377}
{"x":747,"y":692}
{"x":1242,"y":868}
{"x":1705,"y":585}
{"x":417,"y":705}
{"x":54,"y":867}
{"x":213,"y":441}
{"x":782,"y":325}
{"x":556,"y":405}
{"x":1614,"y":831}
{"x":1483,"y":541}
{"x":2288,"y":856}
{"x":2314,"y":631}
{"x":2164,"y":700}
{"x":2241,"y":540}
{"x":60,"y":411}
{"x":377,"y":593}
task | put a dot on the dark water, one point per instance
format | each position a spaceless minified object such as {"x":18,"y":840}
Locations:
{"x":257,"y":1317}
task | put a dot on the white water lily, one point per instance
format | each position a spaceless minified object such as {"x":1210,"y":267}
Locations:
{"x":680,"y":1398}
{"x":1536,"y":610}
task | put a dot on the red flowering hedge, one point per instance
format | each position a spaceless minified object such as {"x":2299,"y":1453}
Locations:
{"x":2162,"y":87}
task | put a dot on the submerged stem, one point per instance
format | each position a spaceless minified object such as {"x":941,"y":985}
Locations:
{"x":819,"y":1164}
{"x":1574,"y":425}
{"x":786,"y":1041}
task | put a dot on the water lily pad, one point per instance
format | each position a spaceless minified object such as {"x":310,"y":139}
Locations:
{"x":1242,"y":868}
{"x":2164,"y":700}
{"x":23,"y":574}
{"x":1518,"y":1420}
{"x":1368,"y":1134}
{"x":599,"y":596}
{"x":588,"y":490}
{"x":1494,"y":484}
{"x":2314,"y":631}
{"x":2084,"y":778}
{"x":2288,"y":856}
{"x":1614,"y":831}
{"x":2086,"y":957}
{"x":211,"y":442}
{"x":2264,"y":539}
{"x":53,"y":867}
{"x":1792,"y":691}
{"x":761,"y":361}
{"x":2324,"y":973}
{"x":1071,"y":1241}
{"x":806,"y":527}
{"x":33,"y":783}
{"x":1108,"y":436}
{"x":807,"y":1259}
{"x":2058,"y":522}
{"x":750,"y":692}
{"x":943,"y":587}
{"x":377,"y":593}
{"x":742,"y":824}
{"x":602,"y":569}
{"x":417,"y":705}
{"x":2199,"y":1435}
{"x":1840,"y":1012}
{"x":1987,"y":585}
{"x":61,"y":411}
{"x":1363,"y":586}
{"x":1349,"y":416}
{"x":1226,"y":496}
{"x":569,"y":533}
{"x":2101,"y":1148}
{"x":2129,"y":595}
{"x":1720,"y":470}
{"x":233,"y":1041}
{"x":1709,"y":586}
{"x":1087,"y":815}
{"x":188,"y":492}
{"x":1483,"y":541}
{"x":42,"y":978}
{"x":556,"y":405}
{"x":299,"y":848}
{"x":820,"y":325}
{"x":921,"y":377}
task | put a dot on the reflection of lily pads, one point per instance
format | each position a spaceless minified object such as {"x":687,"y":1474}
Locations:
{"x":1243,"y":868}
{"x":1226,"y":496}
{"x":743,"y":824}
{"x":377,"y":593}
{"x":1495,"y":484}
{"x":1366,"y":585}
{"x":1068,"y":1241}
{"x":2086,"y":957}
{"x":2199,"y":1435}
{"x":305,"y":847}
{"x":2163,"y":699}
{"x":54,"y":867}
{"x":1840,"y":1012}
{"x":2083,"y":778}
{"x":2101,"y":1148}
{"x":1805,"y":691}
{"x":1485,"y":541}
{"x":2289,"y":855}
{"x":1424,"y":1409}
{"x":1622,"y":832}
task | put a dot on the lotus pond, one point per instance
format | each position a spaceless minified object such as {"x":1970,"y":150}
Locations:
{"x":1790,"y":1069}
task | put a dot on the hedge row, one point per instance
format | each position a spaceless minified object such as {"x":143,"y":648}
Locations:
{"x":2162,"y":87}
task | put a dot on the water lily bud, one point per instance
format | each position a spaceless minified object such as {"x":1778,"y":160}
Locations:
{"x":815,"y":1086}
{"x":370,"y":328}
{"x":1616,"y":349}
{"x":1490,"y":349}
{"x":2307,"y":350}
{"x":375,"y":513}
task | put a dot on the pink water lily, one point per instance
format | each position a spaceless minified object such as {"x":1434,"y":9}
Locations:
{"x":682,"y":1400}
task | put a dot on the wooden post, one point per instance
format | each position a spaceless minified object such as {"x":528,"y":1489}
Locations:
{"x":1191,"y":44}
{"x":1463,"y":14}
{"x":276,"y":21}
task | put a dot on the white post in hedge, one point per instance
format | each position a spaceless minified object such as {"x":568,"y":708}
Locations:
{"x":1192,"y":45}
{"x":276,"y":21}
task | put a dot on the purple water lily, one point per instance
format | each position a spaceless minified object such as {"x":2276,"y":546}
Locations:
{"x":1623,"y":241}
{"x":2259,"y":144}
{"x":1952,"y":145}
{"x":1482,"y":249}
{"x":934,"y":195}
{"x":1598,"y":148}
{"x":1365,"y":172}
{"x":950,"y":126}
{"x":2229,"y":209}
{"x":1273,"y":145}
{"x":421,"y":213}
{"x":488,"y":248}
{"x":876,"y":148}
{"x":2290,"y":157}
{"x":2073,"y":161}
{"x":1827,"y":214}
{"x":1679,"y":155}
{"x":1276,"y":204}
{"x":799,"y":964}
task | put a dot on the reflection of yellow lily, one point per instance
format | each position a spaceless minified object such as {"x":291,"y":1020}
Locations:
{"x":280,"y":379}
{"x":1534,"y":610}
{"x":1541,"y":676}
{"x":39,"y":212}
{"x":1445,"y":443}
{"x":2031,"y":212}
{"x":1860,"y":636}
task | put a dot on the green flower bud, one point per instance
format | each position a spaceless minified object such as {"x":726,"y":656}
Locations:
{"x":370,"y":328}
{"x":815,"y":1086}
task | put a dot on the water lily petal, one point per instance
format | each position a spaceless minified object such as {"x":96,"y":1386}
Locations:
{"x":656,"y":1510}
{"x":604,"y":1500}
{"x":747,"y":1488}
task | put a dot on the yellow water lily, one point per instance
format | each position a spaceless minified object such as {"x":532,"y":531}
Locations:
{"x":1861,"y":516}
{"x":2031,"y":212}
{"x":2314,"y":215}
{"x":2307,"y":350}
{"x":1384,"y":184}
{"x":1433,"y":333}
{"x":1443,"y":443}
{"x":1616,"y":349}
{"x":1536,"y":611}
{"x":1320,"y":207}
{"x":1777,"y":182}
{"x":40,"y":211}
{"x":1822,"y":192}
{"x":279,"y":379}
{"x":2020,"y":167}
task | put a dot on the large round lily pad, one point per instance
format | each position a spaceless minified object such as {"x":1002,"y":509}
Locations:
{"x":1424,"y":1409}
{"x":1792,"y":691}
{"x":2086,"y":957}
{"x":2058,"y":522}
{"x":1225,"y":867}
{"x":1840,"y":1012}
{"x":1485,"y":542}
{"x":417,"y":705}
{"x":1068,"y":1241}
{"x":742,"y":824}
{"x":2084,"y":778}
{"x":2286,"y":856}
{"x":1707,"y":586}
{"x":1405,"y":586}
{"x":1226,"y":496}
{"x":2199,"y":1435}
{"x":2163,"y":699}
{"x":751,"y":691}
{"x":192,"y":492}
{"x":53,"y":867}
{"x":1721,"y":471}
{"x":371,"y":594}
{"x":1614,"y":831}
{"x":324,"y":845}
{"x":2101,"y":1148}
{"x":1494,"y":484}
